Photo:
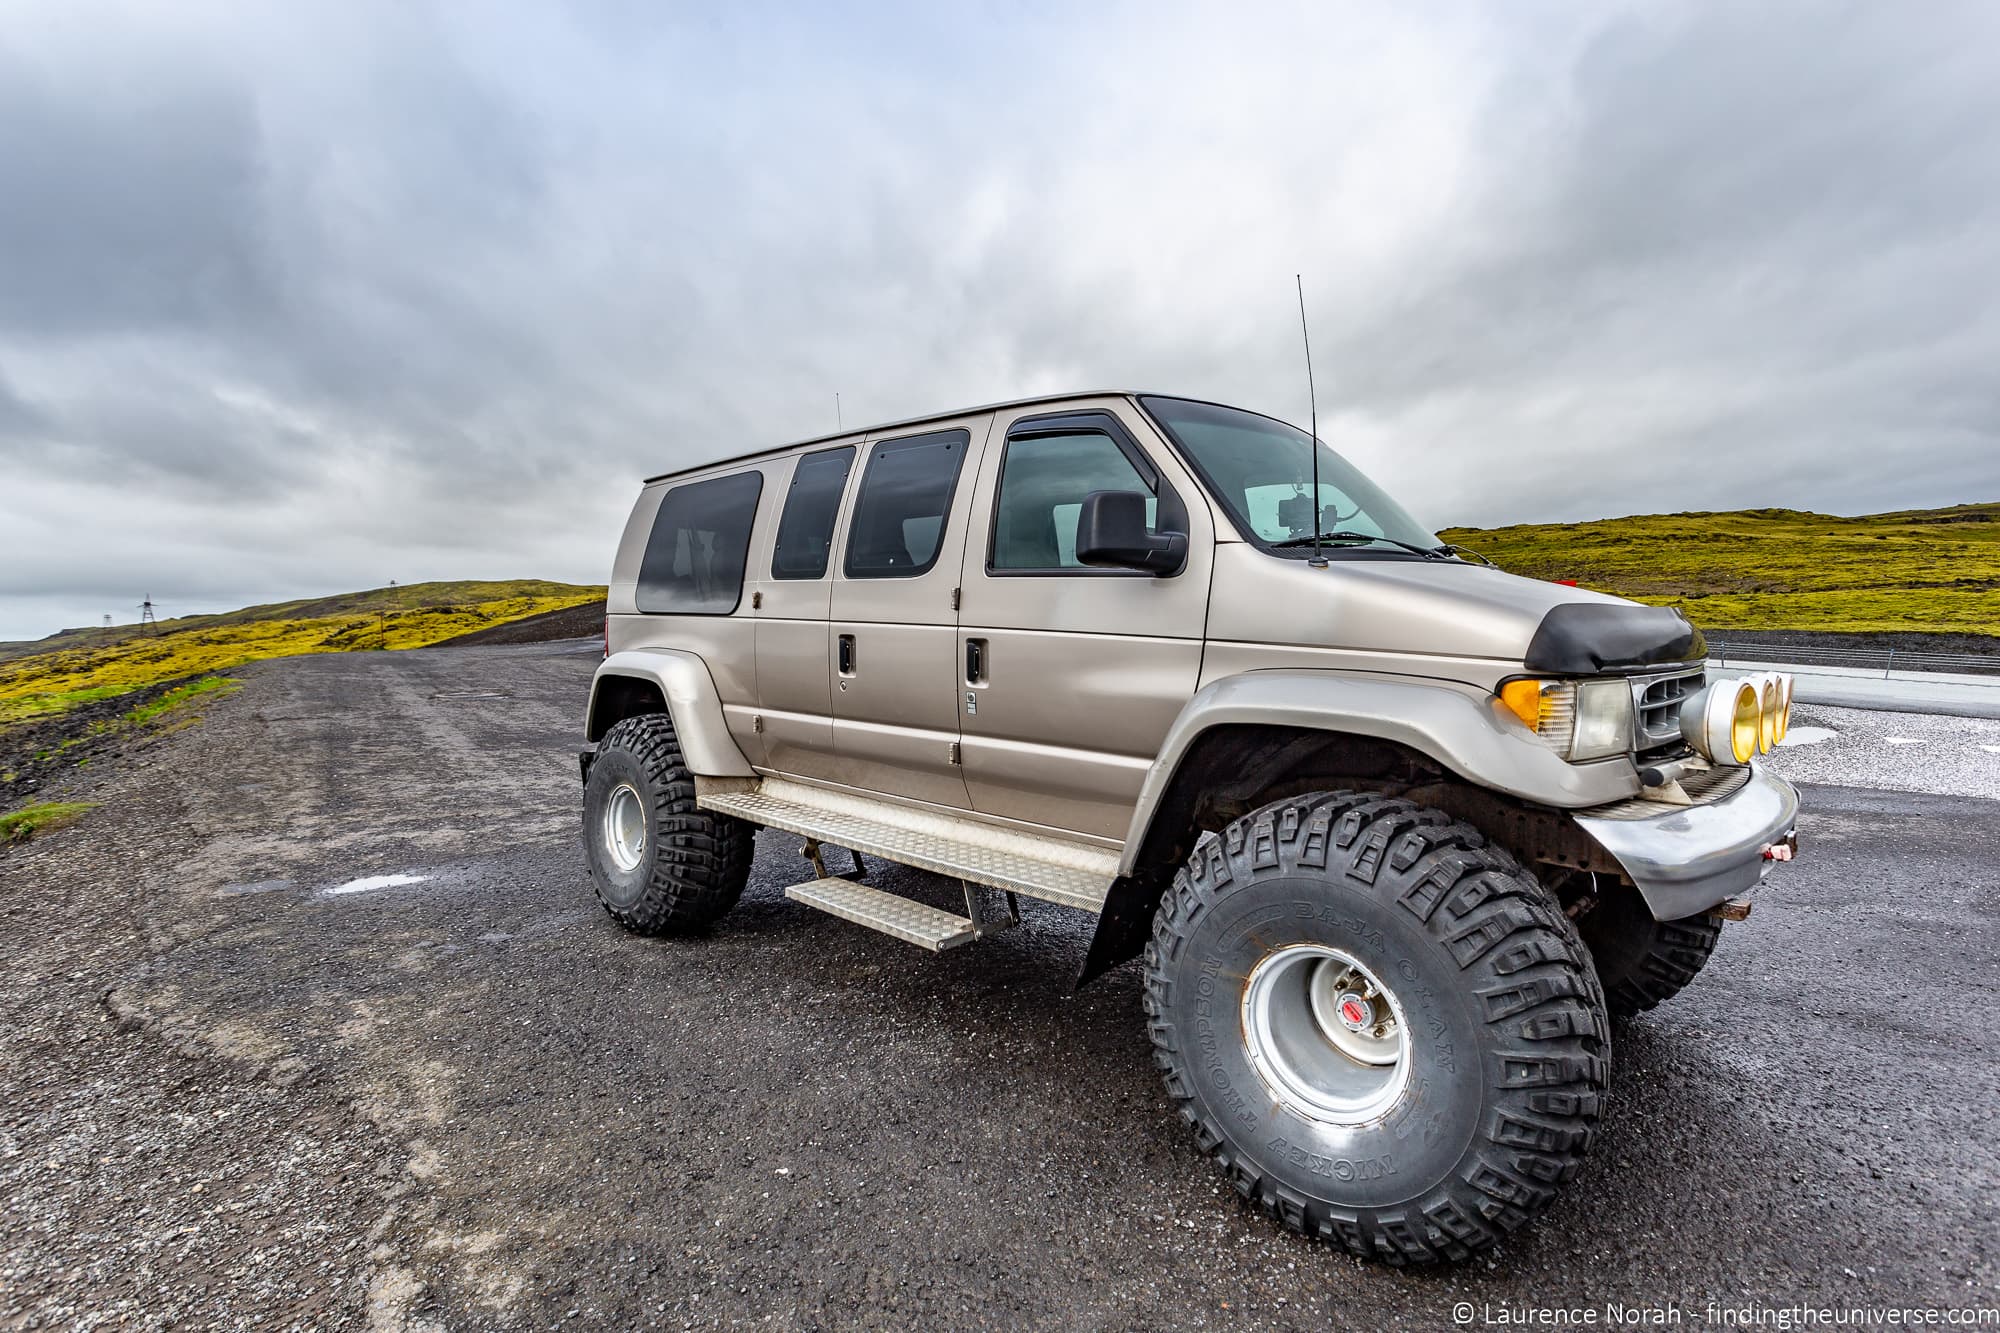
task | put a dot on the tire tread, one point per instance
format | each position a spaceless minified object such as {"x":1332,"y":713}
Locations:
{"x":1518,"y":951}
{"x":701,"y":859}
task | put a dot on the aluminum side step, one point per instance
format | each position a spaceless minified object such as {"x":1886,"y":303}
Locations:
{"x":921,"y":924}
{"x":1056,"y":870}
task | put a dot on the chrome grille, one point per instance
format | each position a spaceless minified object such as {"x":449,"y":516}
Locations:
{"x":1656,"y":707}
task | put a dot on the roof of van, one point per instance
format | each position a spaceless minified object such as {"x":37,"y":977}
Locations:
{"x":893,"y":425}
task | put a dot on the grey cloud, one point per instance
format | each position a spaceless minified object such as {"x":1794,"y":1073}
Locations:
{"x":125,"y":206}
{"x":364,"y":291}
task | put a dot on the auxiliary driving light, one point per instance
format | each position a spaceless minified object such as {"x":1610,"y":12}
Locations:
{"x":1723,"y":720}
{"x":1734,"y":721}
{"x":1773,"y":699}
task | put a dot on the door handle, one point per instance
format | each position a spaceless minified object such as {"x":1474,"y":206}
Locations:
{"x":975,"y":661}
{"x":845,"y":655}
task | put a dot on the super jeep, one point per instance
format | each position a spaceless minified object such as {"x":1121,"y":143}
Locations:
{"x":1395,"y":832}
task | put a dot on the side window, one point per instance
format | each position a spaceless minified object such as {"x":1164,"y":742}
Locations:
{"x":900,"y":512}
{"x":805,"y":530}
{"x":1043,"y":482}
{"x":701,"y":539}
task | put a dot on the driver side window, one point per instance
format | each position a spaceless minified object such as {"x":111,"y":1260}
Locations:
{"x":1043,"y":482}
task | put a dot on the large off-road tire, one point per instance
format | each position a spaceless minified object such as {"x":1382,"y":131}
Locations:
{"x":1443,"y":1109}
{"x":660,"y":866}
{"x":1640,"y":961}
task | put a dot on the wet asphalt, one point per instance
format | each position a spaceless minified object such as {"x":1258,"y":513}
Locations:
{"x":235,"y":1097}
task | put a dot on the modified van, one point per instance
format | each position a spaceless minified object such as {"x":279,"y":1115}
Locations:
{"x":1393,"y":834}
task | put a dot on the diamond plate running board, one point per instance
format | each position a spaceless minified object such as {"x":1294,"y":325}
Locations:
{"x":1053,"y":869}
{"x":922,"y":925}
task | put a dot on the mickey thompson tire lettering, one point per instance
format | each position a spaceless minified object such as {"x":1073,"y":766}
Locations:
{"x":1508,"y":1039}
{"x":695,"y":863}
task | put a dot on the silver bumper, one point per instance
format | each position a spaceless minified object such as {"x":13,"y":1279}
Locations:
{"x":1692,"y":857}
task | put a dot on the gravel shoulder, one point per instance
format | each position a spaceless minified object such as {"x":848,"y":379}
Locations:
{"x":315,"y":1023}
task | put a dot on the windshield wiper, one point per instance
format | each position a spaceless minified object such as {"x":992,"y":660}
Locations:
{"x":1453,"y":548}
{"x":1350,"y":538}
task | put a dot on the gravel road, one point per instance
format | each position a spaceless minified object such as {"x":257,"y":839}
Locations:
{"x":316,"y":1023}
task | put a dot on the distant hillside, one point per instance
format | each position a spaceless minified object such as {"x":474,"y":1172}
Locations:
{"x":1921,"y":570}
{"x":79,"y":666}
{"x":402,"y":597}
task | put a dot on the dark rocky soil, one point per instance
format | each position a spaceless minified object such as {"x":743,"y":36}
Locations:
{"x":50,"y":759}
{"x":1902,"y":643}
{"x":573,"y":622}
{"x":241,"y":1085}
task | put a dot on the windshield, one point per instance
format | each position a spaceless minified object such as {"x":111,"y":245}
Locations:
{"x":1261,"y":471}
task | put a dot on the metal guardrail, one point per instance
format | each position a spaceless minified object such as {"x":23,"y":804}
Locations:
{"x":1884,"y":660}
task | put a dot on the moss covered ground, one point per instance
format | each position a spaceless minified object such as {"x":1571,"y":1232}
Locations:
{"x":85,"y":666}
{"x":1925,"y":571}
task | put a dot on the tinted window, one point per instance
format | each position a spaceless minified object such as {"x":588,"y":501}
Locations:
{"x":1043,"y":482}
{"x":900,"y":512}
{"x":701,"y":538}
{"x":805,"y":530}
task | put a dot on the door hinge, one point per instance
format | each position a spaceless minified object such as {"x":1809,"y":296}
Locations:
{"x":954,"y":752}
{"x":756,"y":600}
{"x":954,"y":599}
{"x":757,"y":722}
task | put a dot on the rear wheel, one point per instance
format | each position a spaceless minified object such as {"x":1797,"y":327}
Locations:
{"x":1382,"y":1026}
{"x":659,"y":865}
{"x":1641,"y":961}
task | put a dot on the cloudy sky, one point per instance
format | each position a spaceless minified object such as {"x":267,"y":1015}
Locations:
{"x":302,"y":298}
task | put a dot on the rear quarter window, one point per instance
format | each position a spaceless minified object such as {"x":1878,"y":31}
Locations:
{"x":699,"y":545}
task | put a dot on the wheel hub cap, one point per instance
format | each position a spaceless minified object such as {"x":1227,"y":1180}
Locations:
{"x":625,"y":828}
{"x":1325,"y":1035}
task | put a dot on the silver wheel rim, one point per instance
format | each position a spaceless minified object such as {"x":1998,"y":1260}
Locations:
{"x":625,"y":827}
{"x":1325,"y":1035}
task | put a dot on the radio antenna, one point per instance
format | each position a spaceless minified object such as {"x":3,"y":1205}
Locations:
{"x":838,"y":424}
{"x":1317,"y":560}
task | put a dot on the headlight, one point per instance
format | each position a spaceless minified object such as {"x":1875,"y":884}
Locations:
{"x":1588,"y":719}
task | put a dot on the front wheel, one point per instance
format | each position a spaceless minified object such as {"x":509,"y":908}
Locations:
{"x":1642,"y":961}
{"x":1382,"y":1026}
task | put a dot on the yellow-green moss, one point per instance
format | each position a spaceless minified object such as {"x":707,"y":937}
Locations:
{"x":40,"y":684}
{"x":23,"y":824}
{"x":1933,"y":570}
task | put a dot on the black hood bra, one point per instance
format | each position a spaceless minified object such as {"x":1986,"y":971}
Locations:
{"x":1580,"y":638}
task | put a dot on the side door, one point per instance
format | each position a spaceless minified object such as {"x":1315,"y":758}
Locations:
{"x":894,"y":619}
{"x":1070,"y":676}
{"x":793,"y":593}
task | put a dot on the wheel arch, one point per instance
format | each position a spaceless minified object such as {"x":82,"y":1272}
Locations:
{"x":1246,"y":740}
{"x":666,"y":680}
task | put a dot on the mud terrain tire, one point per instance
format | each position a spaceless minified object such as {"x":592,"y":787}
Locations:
{"x":1640,"y":961}
{"x":677,"y":869}
{"x":1507,"y":1049}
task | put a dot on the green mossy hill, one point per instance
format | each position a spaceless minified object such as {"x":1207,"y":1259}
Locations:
{"x":82,"y":666}
{"x":1921,"y":570}
{"x":374,"y":601}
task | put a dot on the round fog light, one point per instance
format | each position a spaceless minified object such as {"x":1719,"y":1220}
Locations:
{"x":1770,"y":697}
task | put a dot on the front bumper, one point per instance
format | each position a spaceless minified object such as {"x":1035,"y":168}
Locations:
{"x":1691,"y":857}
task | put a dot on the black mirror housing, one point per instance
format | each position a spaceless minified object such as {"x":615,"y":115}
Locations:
{"x":1111,"y":534}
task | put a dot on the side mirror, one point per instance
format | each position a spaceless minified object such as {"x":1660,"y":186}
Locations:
{"x":1111,"y":533}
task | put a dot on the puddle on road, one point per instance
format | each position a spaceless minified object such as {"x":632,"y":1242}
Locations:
{"x":370,"y":883}
{"x":1808,"y":735}
{"x":1901,"y":740}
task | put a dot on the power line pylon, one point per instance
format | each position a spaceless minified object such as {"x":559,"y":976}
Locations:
{"x":147,"y":623}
